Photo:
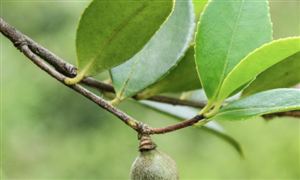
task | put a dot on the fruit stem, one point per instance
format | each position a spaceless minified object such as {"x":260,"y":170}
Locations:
{"x":146,"y":143}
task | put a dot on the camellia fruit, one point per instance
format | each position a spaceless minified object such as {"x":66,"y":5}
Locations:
{"x":152,"y":164}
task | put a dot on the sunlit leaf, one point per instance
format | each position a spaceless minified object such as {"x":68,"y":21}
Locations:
{"x":281,"y":75}
{"x":227,"y":32}
{"x":161,"y":53}
{"x":111,"y":32}
{"x":257,"y":62}
{"x":271,"y":101}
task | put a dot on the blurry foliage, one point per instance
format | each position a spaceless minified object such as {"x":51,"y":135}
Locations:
{"x":51,"y":132}
{"x":285,"y":17}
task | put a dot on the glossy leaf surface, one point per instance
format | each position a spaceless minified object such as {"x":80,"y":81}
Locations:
{"x":258,"y":61}
{"x":271,"y":101}
{"x":111,"y":32}
{"x":227,"y":32}
{"x":282,"y":75}
{"x":162,"y":52}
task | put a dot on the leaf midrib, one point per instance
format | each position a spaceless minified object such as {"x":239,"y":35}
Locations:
{"x":229,"y":50}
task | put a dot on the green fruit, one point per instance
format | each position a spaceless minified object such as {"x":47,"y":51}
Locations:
{"x":153,"y":165}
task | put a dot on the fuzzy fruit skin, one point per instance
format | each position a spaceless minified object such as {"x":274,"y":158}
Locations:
{"x":153,"y":165}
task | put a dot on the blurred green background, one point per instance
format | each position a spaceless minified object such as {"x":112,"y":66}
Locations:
{"x":50,"y":132}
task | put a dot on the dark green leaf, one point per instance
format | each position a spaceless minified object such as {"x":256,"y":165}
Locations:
{"x":271,"y":101}
{"x":162,"y":53}
{"x":182,"y":78}
{"x":227,"y":32}
{"x":111,"y":32}
{"x":281,"y":75}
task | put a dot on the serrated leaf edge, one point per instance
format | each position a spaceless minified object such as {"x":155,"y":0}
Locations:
{"x":250,"y":54}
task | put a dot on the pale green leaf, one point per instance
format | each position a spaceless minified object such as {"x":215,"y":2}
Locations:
{"x":271,"y":101}
{"x":258,"y":61}
{"x":227,"y":32}
{"x":184,"y":74}
{"x":161,"y":53}
{"x":281,"y":75}
{"x":111,"y":32}
{"x":181,"y":78}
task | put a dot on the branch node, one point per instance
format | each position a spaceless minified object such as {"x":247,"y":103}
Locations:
{"x":143,"y":129}
{"x":20,"y":43}
{"x":71,"y":70}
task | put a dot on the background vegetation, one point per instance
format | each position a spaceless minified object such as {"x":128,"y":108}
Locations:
{"x":49,"y":132}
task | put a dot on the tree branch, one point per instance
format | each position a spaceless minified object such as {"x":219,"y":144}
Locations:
{"x":22,"y":44}
{"x":69,"y":70}
{"x":177,"y":126}
{"x":62,"y":69}
{"x":175,"y":101}
{"x":35,"y":52}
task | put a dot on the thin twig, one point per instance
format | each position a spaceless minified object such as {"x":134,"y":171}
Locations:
{"x":37,"y":54}
{"x":177,"y":126}
{"x":23,"y":43}
{"x":78,"y":88}
{"x":69,"y":70}
{"x":175,"y":101}
{"x":91,"y":82}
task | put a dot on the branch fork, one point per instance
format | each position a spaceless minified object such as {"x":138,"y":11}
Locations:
{"x":62,"y":70}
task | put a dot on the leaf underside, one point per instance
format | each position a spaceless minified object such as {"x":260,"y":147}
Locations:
{"x":162,"y":52}
{"x":271,"y":101}
{"x":181,"y":78}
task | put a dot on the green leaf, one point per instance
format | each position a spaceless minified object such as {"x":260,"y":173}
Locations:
{"x":180,"y":112}
{"x":184,"y":74}
{"x":258,"y":61}
{"x":181,"y":78}
{"x":199,"y":5}
{"x":111,"y":32}
{"x":283,"y":74}
{"x":161,"y":53}
{"x":227,"y":32}
{"x":271,"y":101}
